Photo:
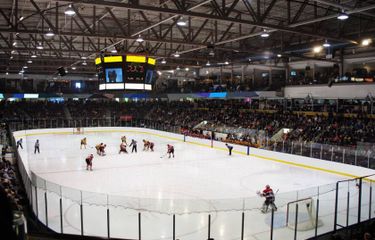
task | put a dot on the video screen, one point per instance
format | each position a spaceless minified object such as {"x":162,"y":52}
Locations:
{"x":113,"y":75}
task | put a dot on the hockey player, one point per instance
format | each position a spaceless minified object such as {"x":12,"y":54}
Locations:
{"x":146,"y":145}
{"x":170,"y":150}
{"x":122,"y":148}
{"x":230,"y":148}
{"x":270,"y":199}
{"x":97,"y":147}
{"x":89,"y":162}
{"x":133,"y":144}
{"x":19,"y":143}
{"x":152,"y":146}
{"x":36,"y":147}
{"x":101,"y":149}
{"x":123,"y":139}
{"x":83,"y":143}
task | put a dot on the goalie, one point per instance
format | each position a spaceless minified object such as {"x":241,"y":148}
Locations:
{"x":270,"y":199}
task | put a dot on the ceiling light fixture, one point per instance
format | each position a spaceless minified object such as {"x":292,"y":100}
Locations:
{"x":39,"y":46}
{"x":226,"y":63}
{"x":70,"y":11}
{"x":326,"y":44}
{"x":139,"y":39}
{"x":84,"y":63}
{"x":74,"y":68}
{"x":178,"y":68}
{"x":50,"y":33}
{"x":208,"y":63}
{"x":176,"y":55}
{"x":163,"y":61}
{"x":181,"y":22}
{"x":29,"y":61}
{"x":366,"y":42}
{"x":113,"y":51}
{"x":265,"y":34}
{"x":33,"y":56}
{"x":342,"y":16}
{"x":317,"y":49}
{"x":279,"y":55}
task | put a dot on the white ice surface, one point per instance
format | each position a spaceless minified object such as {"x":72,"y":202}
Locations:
{"x":198,"y":179}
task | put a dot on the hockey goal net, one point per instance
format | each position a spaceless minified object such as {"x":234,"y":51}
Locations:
{"x":78,"y":130}
{"x":304,"y":212}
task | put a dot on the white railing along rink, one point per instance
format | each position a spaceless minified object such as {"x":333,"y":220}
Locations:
{"x":118,"y":216}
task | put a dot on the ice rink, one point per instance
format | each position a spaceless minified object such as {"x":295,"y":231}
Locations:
{"x":199,"y":181}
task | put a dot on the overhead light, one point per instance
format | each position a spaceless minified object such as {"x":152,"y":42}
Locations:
{"x":326,"y":44}
{"x":181,"y":22}
{"x":139,"y":39}
{"x":279,"y":55}
{"x":211,"y":53}
{"x":13,"y":51}
{"x":50,"y":33}
{"x":39,"y":46}
{"x":6,"y":73}
{"x":11,"y":57}
{"x":208,"y":63}
{"x":14,"y":44}
{"x":343,"y":16}
{"x":176,"y":55}
{"x":178,"y":68}
{"x":249,"y":59}
{"x":159,"y":73}
{"x":366,"y":42}
{"x":25,"y":67}
{"x":163,"y":61}
{"x":113,"y":51}
{"x":33,"y":56}
{"x":187,"y":69}
{"x":265,"y":34}
{"x":84,"y":63}
{"x":90,"y":79}
{"x":83,"y":58}
{"x":20,"y":73}
{"x":74,"y":68}
{"x":54,"y":78}
{"x":317,"y":49}
{"x":21,"y":18}
{"x":70,"y":11}
{"x":29,"y":61}
{"x":96,"y":75}
{"x":226,"y":63}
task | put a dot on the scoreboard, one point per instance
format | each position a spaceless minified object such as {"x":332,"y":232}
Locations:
{"x":131,"y":72}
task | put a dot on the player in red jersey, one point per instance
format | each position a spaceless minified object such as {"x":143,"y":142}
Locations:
{"x":170,"y":151}
{"x":123,"y":148}
{"x":89,"y":162}
{"x":270,"y":199}
{"x":146,"y":145}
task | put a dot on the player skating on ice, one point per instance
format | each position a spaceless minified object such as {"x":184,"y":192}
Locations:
{"x":123,"y":148}
{"x":102,"y":149}
{"x":83,"y":143}
{"x":36,"y":147}
{"x":123,"y":139}
{"x":133,"y":144}
{"x":170,"y":150}
{"x":152,"y":146}
{"x":89,"y":162}
{"x":97,"y":147}
{"x":146,"y":145}
{"x":270,"y":199}
{"x":19,"y":143}
{"x":230,"y":148}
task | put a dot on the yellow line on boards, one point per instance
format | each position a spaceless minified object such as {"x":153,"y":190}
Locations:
{"x":209,"y":146}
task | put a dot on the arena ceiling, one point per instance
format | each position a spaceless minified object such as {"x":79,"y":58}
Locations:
{"x":216,"y":30}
